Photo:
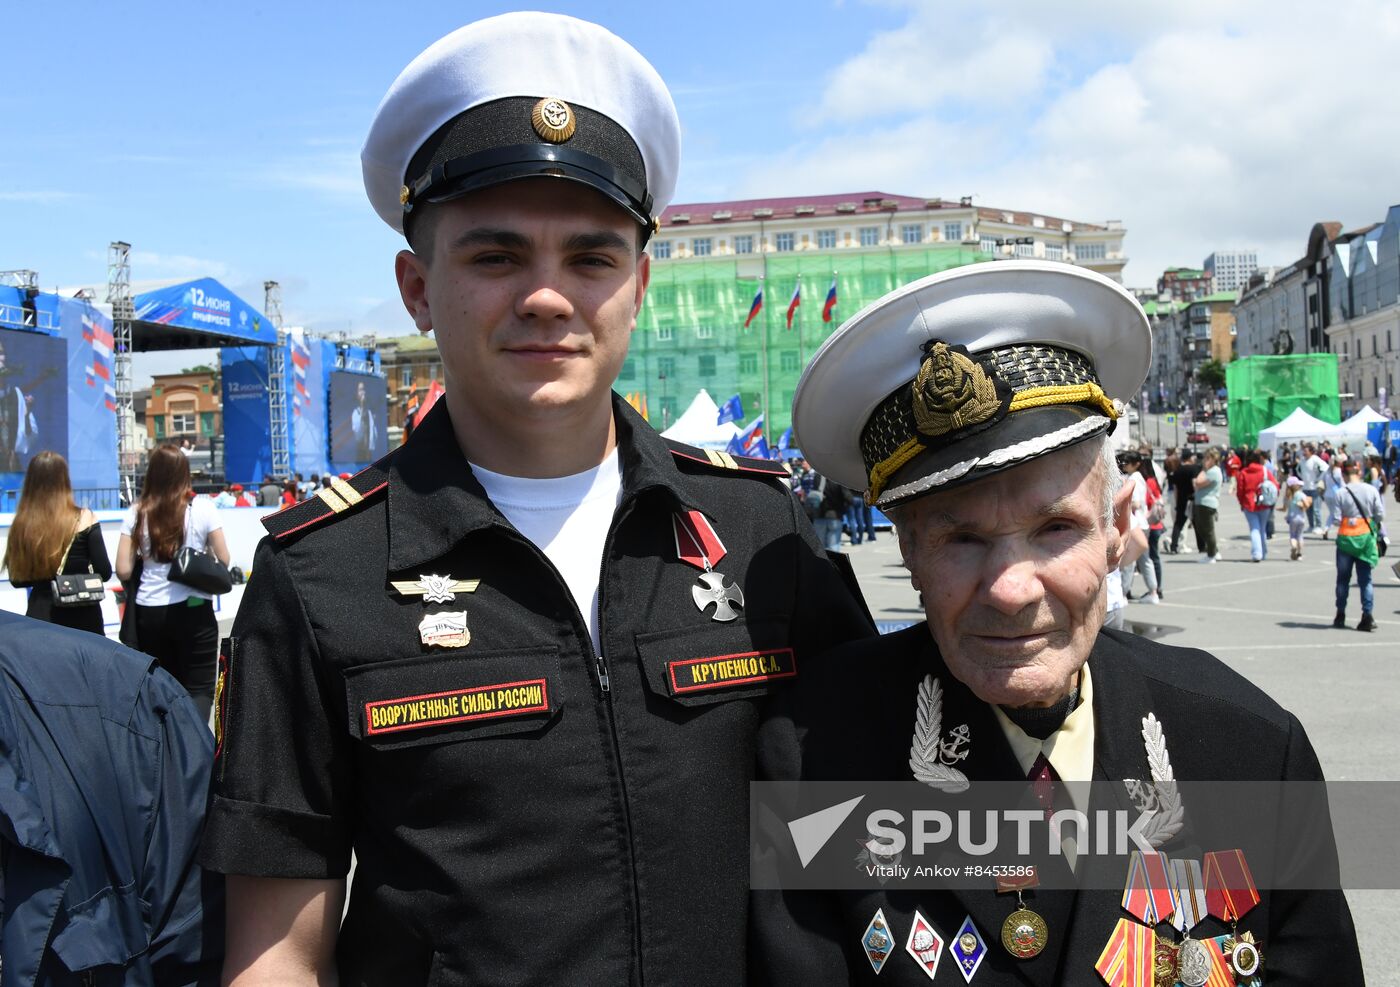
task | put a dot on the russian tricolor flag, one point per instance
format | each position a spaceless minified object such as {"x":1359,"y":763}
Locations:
{"x":792,"y":305}
{"x":830,"y":302}
{"x":755,"y":308}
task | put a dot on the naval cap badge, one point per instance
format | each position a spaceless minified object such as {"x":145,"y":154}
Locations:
{"x":553,"y":119}
{"x":952,"y":391}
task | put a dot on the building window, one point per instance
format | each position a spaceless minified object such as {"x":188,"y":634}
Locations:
{"x":433,"y":371}
{"x":912,"y":233}
{"x":748,"y":363}
{"x":664,"y":334}
{"x":661,"y":249}
{"x":629,"y":371}
{"x":952,"y":231}
{"x":701,"y":246}
{"x":1053,"y":251}
{"x":182,"y":421}
{"x":1375,"y":346}
{"x":826,"y":239}
{"x":704,"y":332}
{"x":707,"y":364}
{"x":1025,"y":250}
{"x":406,"y":376}
{"x":788,"y":361}
{"x":785,"y":241}
{"x":987,"y":245}
{"x":666,"y":366}
{"x":1090,"y":251}
{"x":206,"y":423}
{"x":743,"y":243}
{"x":870,"y":236}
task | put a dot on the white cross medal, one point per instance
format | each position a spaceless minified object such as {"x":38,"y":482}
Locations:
{"x":697,"y":544}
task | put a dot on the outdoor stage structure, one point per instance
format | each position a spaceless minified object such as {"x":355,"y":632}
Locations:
{"x":66,"y":382}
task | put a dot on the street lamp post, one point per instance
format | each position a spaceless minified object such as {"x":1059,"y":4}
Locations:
{"x":665,"y":408}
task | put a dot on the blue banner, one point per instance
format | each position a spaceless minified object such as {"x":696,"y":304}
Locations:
{"x":205,"y":306}
{"x":247,"y":425}
{"x":92,"y":395}
{"x":306,"y":364}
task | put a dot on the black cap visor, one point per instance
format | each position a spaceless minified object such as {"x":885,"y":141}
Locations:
{"x":461,"y":176}
{"x":1016,"y":428}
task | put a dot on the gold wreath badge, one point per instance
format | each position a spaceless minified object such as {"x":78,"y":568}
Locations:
{"x":951,"y":392}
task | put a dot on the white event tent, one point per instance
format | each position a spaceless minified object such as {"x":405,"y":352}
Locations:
{"x":696,"y":426}
{"x":1355,"y":426}
{"x":1299,"y":425}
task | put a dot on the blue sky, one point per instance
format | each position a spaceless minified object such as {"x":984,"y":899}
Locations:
{"x":223,"y":139}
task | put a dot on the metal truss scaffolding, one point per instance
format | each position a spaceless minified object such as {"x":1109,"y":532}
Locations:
{"x":277,"y":383}
{"x":123,"y":314}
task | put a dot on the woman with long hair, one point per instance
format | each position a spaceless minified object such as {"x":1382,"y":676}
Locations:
{"x":50,"y":536}
{"x":175,"y":623}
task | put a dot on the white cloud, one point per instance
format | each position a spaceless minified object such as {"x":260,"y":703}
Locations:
{"x":1198,"y":128}
{"x":147,"y":264}
{"x":331,"y":173}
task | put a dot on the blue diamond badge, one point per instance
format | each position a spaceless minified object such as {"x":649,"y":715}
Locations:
{"x":878,"y":941}
{"x":968,"y":949}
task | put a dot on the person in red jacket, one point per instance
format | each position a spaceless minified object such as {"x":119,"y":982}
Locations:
{"x":1257,"y":495}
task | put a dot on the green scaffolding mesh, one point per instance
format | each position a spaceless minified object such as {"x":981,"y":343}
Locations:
{"x":690,"y":334}
{"x":1264,"y":390}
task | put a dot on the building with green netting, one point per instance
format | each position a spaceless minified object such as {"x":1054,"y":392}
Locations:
{"x":1263,"y":390}
{"x":691,"y":332}
{"x":709,"y":260}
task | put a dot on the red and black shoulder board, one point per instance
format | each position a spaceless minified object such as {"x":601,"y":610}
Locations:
{"x":726,"y":461}
{"x":330,"y":501}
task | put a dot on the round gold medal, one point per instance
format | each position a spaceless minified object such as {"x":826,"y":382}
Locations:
{"x":1024,"y":934}
{"x":1245,"y":959}
{"x":553,"y":119}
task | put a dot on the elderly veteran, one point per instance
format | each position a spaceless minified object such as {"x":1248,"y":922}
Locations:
{"x":976,"y":405}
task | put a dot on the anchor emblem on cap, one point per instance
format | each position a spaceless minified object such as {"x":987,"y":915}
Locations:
{"x":712,"y":590}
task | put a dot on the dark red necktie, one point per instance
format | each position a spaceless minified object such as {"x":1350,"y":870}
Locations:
{"x":1042,"y":777}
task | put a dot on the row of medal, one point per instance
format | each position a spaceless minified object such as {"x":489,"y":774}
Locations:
{"x":1179,"y":893}
{"x":925,"y":944}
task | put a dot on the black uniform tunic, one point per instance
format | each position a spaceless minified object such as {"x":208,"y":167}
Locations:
{"x":522,"y":809}
{"x":1218,"y":727}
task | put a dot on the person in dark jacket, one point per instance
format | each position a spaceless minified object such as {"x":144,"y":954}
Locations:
{"x":988,"y":439}
{"x":104,"y":766}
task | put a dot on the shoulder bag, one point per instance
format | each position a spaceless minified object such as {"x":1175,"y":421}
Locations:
{"x":199,"y":570}
{"x":78,"y":590}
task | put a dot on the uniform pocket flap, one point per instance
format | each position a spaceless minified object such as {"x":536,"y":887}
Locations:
{"x":436,"y":698}
{"x":714,"y":663}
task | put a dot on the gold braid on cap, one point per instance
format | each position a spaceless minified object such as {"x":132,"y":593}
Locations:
{"x":955,"y":396}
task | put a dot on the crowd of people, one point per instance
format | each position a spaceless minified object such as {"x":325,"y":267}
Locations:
{"x":1306,"y":478}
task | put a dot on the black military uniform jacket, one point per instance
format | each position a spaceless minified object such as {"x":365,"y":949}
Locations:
{"x":521,"y":809}
{"x":1218,"y":727}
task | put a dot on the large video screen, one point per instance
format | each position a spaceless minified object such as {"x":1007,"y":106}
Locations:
{"x":33,"y":401}
{"x":358,"y":410}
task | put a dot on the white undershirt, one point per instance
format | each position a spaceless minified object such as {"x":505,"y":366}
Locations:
{"x":567,"y":518}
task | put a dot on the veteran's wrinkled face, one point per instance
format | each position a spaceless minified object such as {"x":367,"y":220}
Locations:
{"x":1012,"y":570}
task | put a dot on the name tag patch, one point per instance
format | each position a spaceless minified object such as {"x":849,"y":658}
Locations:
{"x":485,"y":702}
{"x":727,"y":671}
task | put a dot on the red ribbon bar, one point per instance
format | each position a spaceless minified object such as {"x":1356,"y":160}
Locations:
{"x":1230,"y":890}
{"x":1148,"y":894}
{"x":1019,"y":882}
{"x":696,"y":541}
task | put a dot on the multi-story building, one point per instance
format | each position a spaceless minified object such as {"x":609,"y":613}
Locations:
{"x":1363,"y":295}
{"x":1229,"y":270}
{"x":712,"y":260}
{"x":1286,"y":312}
{"x":1184,"y":336}
{"x":411,"y":365}
{"x":184,"y":406}
{"x":1181,"y":284}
